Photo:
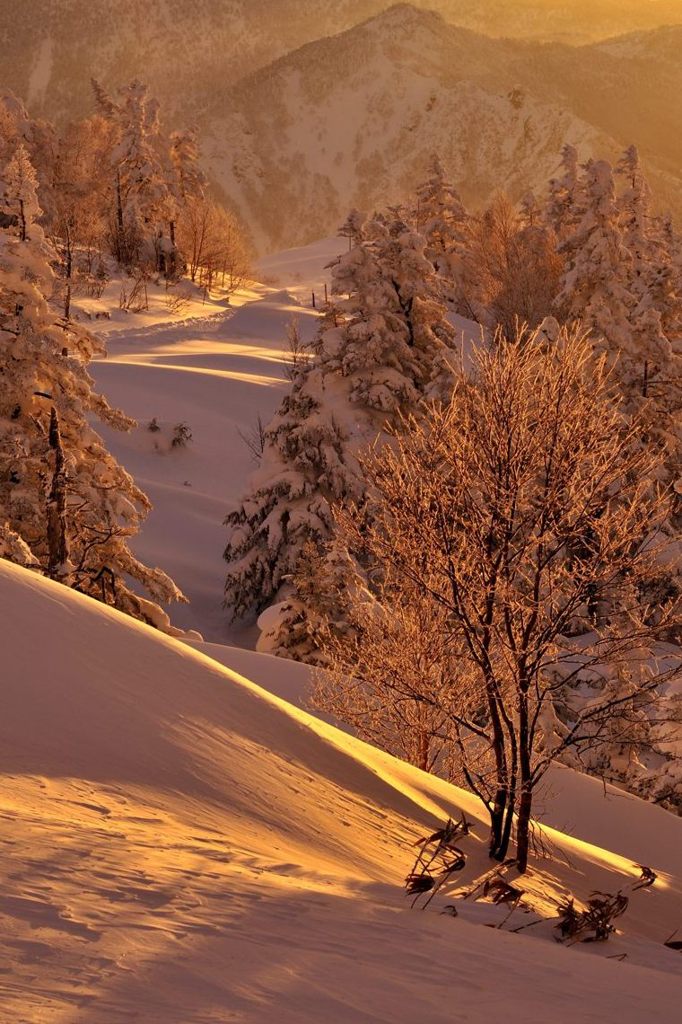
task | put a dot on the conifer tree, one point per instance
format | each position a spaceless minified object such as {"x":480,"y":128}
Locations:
{"x":66,"y":506}
{"x":441,"y":218}
{"x":654,"y":281}
{"x":621,"y":281}
{"x":380,"y":351}
{"x":21,"y":190}
{"x":141,"y":192}
{"x":596,"y":283}
{"x":564,"y":194}
{"x":186,"y":183}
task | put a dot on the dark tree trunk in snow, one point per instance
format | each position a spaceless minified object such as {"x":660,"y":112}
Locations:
{"x":22,"y":220}
{"x":68,"y":271}
{"x":56,"y":504}
{"x":523,"y":829}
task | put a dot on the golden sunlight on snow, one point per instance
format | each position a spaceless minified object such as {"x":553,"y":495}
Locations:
{"x":164,"y":818}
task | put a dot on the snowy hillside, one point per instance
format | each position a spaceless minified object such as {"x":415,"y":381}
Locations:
{"x":217,"y":369}
{"x":180,"y":846}
{"x":351,"y":121}
{"x":309,"y":108}
{"x":187,"y":51}
{"x":340,"y":457}
{"x":184,"y":50}
{"x":572,"y":20}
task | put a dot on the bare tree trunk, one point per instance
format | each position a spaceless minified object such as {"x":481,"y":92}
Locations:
{"x":497,"y":814}
{"x":423,"y":755}
{"x":523,"y":828}
{"x":121,"y":254}
{"x":497,"y":825}
{"x":526,"y":799}
{"x":56,"y":504}
{"x":68,"y":271}
{"x":506,"y":832}
{"x":119,"y":204}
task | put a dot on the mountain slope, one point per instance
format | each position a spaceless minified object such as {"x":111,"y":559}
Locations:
{"x":629,"y":87}
{"x":180,"y":846}
{"x":351,"y":121}
{"x":51,"y":48}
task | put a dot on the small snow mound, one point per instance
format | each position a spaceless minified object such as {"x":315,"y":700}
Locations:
{"x":282,"y":298}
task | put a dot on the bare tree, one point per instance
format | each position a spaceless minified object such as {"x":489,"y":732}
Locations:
{"x":254,"y":438}
{"x":213,"y":244}
{"x":519,"y":523}
{"x":298,"y":351}
{"x":388,"y":672}
{"x":511,"y":268}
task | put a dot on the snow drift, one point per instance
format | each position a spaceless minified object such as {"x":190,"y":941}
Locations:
{"x":180,"y":845}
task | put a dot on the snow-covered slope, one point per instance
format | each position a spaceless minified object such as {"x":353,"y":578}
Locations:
{"x":185,"y":51}
{"x":352,"y":120}
{"x":51,"y":48}
{"x":351,"y":108}
{"x":178,"y":846}
{"x":216,"y":370}
{"x":568,"y":801}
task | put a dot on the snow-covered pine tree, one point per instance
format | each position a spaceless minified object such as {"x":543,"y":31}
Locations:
{"x":382,"y":348}
{"x":441,"y":218}
{"x":564,"y":194}
{"x":20,"y":188}
{"x":184,"y":158}
{"x":654,"y":380}
{"x":186,"y":184}
{"x":39,"y":139}
{"x":621,"y":281}
{"x":60,"y":489}
{"x":596,"y":283}
{"x":142,"y":197}
{"x":655,"y":282}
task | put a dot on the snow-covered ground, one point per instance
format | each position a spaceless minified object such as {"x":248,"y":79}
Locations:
{"x":181,"y":847}
{"x":217,"y":368}
{"x":183,"y":843}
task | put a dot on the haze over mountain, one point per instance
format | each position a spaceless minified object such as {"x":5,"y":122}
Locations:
{"x":51,"y":48}
{"x":305,"y":109}
{"x":572,"y":21}
{"x":350,"y":120}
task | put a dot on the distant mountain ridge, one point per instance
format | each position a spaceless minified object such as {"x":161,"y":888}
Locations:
{"x":302,"y":111}
{"x":351,"y":120}
{"x":51,"y":48}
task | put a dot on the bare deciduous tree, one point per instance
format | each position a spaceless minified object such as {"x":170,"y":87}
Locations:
{"x":213,"y":244}
{"x":389,"y":671}
{"x":510,"y":537}
{"x":511,"y":269}
{"x":298,"y":351}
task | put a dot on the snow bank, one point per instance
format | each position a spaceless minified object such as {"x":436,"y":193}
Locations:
{"x":179,"y":845}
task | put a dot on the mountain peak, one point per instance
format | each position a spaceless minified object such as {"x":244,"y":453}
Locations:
{"x":403,"y":15}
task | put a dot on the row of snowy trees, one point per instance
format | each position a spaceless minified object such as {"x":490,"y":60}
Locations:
{"x":67,"y":508}
{"x":118,"y":184}
{"x":114,"y":187}
{"x":585,"y":254}
{"x":593,"y":251}
{"x":382,"y":348}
